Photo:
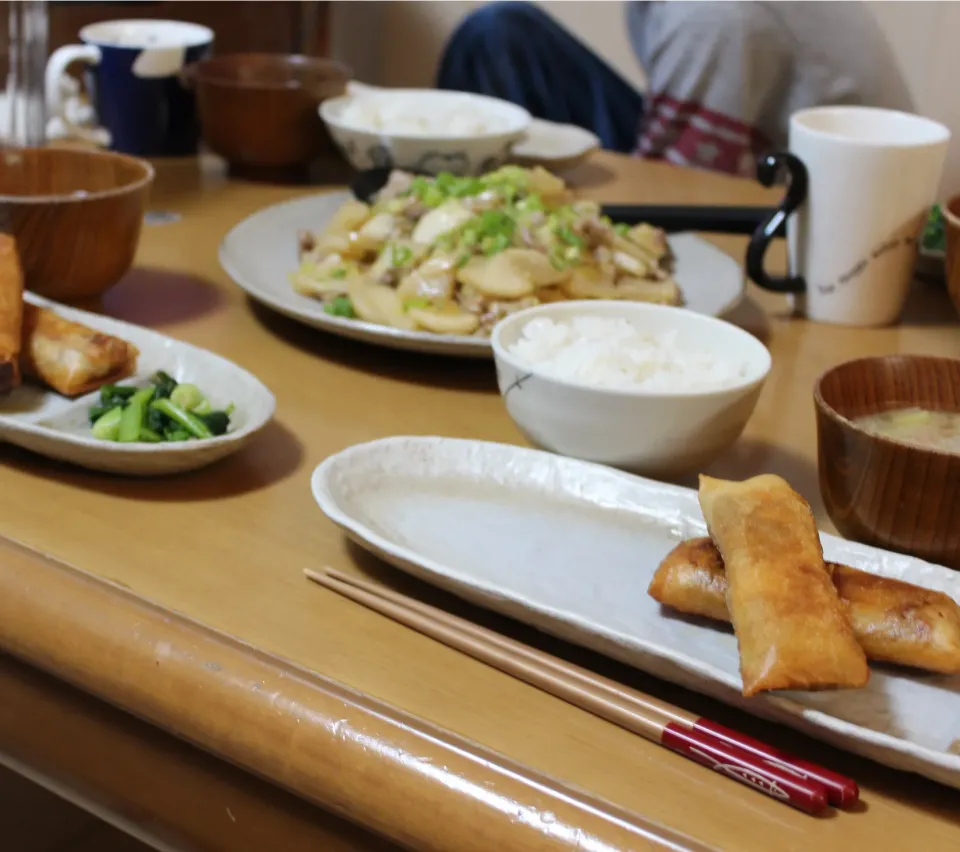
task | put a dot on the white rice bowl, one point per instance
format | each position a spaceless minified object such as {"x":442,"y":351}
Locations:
{"x":652,"y":389}
{"x":424,"y":130}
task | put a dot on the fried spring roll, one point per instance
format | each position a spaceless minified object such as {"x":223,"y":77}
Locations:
{"x":894,"y":622}
{"x":69,"y":357}
{"x":11,"y":313}
{"x":791,"y":628}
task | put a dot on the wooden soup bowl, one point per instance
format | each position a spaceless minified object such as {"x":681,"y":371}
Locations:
{"x":951,"y":215}
{"x":76,"y":216}
{"x":879,"y":490}
{"x":261,"y":109}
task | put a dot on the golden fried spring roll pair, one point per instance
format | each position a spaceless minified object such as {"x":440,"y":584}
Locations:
{"x":894,"y":622}
{"x":11,"y":313}
{"x":791,"y":627}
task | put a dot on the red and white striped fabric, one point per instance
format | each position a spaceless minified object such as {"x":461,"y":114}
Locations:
{"x":687,"y":134}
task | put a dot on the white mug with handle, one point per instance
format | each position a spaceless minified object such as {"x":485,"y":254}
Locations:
{"x":862,"y":182}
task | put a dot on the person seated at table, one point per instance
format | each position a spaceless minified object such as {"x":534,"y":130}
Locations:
{"x":722,"y":77}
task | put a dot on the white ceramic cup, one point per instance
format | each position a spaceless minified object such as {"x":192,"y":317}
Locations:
{"x":872,"y":176}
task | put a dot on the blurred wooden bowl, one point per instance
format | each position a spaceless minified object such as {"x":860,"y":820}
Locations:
{"x":76,"y":216}
{"x":951,"y":215}
{"x":879,"y":490}
{"x":260,"y":109}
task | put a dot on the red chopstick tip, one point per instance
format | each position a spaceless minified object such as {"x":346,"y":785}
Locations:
{"x":842,"y":792}
{"x":850,"y":794}
{"x":747,"y":768}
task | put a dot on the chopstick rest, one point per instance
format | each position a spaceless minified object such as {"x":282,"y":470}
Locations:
{"x":714,"y":746}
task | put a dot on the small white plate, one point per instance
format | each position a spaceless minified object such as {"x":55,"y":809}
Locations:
{"x":570,"y":547}
{"x":45,"y":422}
{"x":261,"y":252}
{"x":555,"y":146}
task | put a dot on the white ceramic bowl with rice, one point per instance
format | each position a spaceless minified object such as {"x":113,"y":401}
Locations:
{"x":655,"y":390}
{"x":424,"y":130}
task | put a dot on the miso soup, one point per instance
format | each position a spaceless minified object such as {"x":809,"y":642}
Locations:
{"x":932,"y":430}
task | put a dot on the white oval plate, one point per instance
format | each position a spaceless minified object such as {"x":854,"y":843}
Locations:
{"x":45,"y":422}
{"x":556,"y":146}
{"x":261,"y":252}
{"x":570,"y":548}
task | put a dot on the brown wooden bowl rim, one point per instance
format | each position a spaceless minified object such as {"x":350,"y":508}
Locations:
{"x":195,"y":71}
{"x":824,"y":407}
{"x":948,"y":214}
{"x":144,"y":180}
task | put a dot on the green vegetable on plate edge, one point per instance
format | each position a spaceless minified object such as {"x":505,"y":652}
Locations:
{"x":934,"y":236}
{"x":165,"y":411}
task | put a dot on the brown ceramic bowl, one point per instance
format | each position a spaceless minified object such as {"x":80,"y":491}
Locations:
{"x":951,"y":214}
{"x":879,"y":490}
{"x":76,"y":216}
{"x":261,"y":109}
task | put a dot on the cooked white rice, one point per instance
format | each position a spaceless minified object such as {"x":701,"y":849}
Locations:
{"x":398,"y":114}
{"x":612,"y":353}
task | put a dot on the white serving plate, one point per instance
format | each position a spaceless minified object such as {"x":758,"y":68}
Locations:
{"x":570,"y":548}
{"x":45,"y":422}
{"x":261,"y":252}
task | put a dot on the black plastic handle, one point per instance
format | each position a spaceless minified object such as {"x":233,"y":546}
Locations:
{"x":768,"y":169}
{"x":695,"y":217}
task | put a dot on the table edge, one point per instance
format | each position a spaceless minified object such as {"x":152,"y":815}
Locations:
{"x":403,"y":777}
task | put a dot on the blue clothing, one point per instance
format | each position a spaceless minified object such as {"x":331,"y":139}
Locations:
{"x":517,"y":52}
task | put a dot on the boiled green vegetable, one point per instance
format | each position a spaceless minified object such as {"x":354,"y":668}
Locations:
{"x":186,"y":419}
{"x":108,"y":425}
{"x":132,"y":419}
{"x":163,"y":411}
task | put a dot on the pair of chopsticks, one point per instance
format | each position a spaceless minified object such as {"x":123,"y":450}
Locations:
{"x":806,"y":786}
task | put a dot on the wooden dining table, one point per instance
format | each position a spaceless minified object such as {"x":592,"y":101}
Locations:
{"x":166,"y":664}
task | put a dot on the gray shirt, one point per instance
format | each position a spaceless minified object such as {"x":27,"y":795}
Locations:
{"x":741,"y":68}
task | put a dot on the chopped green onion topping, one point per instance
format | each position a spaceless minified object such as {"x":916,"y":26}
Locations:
{"x":494,"y":222}
{"x":495,"y":245}
{"x":557,"y":259}
{"x":571,"y":238}
{"x":433,"y":197}
{"x":529,"y":204}
{"x":339,"y":272}
{"x":341,"y":306}
{"x":400,"y":255}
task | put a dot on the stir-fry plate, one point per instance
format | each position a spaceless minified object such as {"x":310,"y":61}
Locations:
{"x":261,"y":252}
{"x":570,"y":548}
{"x":45,"y":422}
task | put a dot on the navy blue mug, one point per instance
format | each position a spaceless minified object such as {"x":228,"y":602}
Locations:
{"x":133,"y":80}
